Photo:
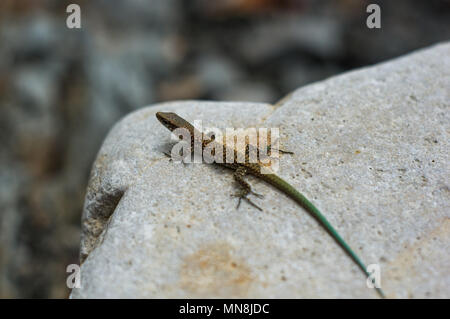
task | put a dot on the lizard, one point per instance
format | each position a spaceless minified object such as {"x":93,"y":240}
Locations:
{"x":241,"y":168}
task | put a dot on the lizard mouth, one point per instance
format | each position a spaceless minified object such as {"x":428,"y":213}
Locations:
{"x":161,"y":116}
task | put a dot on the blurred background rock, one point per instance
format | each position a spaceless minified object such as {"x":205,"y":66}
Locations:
{"x":62,"y":89}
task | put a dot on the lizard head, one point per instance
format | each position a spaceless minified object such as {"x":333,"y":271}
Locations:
{"x":172,"y":121}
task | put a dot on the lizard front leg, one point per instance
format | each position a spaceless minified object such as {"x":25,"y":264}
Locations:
{"x":181,"y":155}
{"x":239,"y":174}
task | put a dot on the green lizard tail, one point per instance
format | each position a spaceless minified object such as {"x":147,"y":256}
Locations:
{"x":285,"y":187}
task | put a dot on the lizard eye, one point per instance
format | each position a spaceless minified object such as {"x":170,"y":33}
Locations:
{"x":210,"y":136}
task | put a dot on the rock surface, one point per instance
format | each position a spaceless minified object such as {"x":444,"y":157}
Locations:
{"x":371,"y":151}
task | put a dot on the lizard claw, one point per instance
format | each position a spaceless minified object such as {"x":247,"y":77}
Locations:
{"x":242,"y":196}
{"x":257,"y":195}
{"x":270,"y":148}
{"x":253,"y":204}
{"x":168,"y":155}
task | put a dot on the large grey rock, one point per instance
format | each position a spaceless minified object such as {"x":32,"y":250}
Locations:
{"x":371,"y":151}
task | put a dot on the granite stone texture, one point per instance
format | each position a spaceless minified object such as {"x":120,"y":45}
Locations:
{"x":371,"y":151}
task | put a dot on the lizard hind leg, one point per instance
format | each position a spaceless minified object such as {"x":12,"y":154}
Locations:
{"x":245,"y":188}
